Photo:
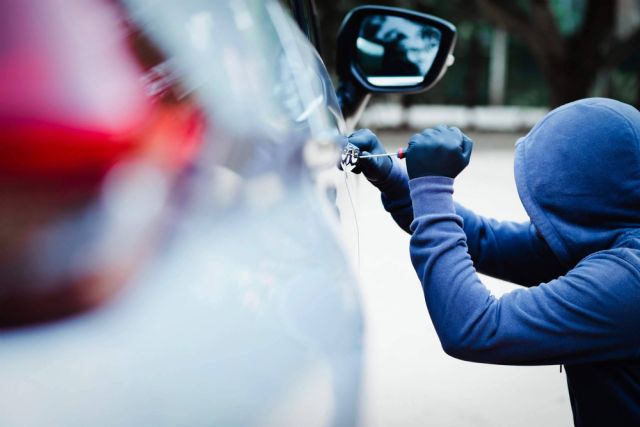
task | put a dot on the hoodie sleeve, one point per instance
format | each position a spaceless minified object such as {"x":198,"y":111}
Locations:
{"x":588,"y":315}
{"x":506,"y":250}
{"x":396,"y":198}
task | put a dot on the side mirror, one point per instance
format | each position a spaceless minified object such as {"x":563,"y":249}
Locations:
{"x":390,"y":50}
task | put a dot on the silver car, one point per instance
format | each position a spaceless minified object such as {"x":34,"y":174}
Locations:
{"x":237,"y":302}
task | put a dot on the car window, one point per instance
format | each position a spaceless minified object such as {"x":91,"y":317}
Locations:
{"x":287,"y":6}
{"x":302,"y":12}
{"x":263,"y":77}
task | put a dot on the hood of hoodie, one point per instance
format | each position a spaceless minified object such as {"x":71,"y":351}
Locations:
{"x":578,"y":175}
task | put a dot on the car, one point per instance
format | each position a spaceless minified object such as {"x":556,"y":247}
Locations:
{"x":174,"y":256}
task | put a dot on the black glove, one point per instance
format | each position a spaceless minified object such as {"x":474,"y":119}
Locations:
{"x":441,"y":151}
{"x":376,"y":169}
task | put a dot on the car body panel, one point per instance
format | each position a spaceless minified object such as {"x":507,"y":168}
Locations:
{"x":249,"y":313}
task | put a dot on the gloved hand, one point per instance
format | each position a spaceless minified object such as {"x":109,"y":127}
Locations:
{"x":440,"y":151}
{"x":376,"y":169}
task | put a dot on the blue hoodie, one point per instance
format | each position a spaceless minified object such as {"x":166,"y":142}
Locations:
{"x":578,"y":259}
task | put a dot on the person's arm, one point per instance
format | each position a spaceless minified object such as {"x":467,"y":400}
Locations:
{"x":506,"y":250}
{"x":396,"y":199}
{"x":590,"y":314}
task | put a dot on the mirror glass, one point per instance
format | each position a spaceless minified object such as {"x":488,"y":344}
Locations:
{"x":395,"y":51}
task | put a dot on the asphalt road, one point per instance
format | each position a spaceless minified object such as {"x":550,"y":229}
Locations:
{"x":409,"y":380}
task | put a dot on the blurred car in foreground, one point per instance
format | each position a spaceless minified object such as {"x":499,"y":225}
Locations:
{"x":170,"y":255}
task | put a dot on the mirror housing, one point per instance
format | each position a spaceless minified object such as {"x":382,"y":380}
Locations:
{"x":411,"y":57}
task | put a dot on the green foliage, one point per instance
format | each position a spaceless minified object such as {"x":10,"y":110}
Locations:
{"x":569,"y":14}
{"x":526,"y":84}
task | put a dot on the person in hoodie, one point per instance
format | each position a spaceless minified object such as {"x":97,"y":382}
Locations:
{"x":577,"y":259}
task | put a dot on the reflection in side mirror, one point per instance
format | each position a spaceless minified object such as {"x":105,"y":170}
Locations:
{"x":394,"y":51}
{"x":390,"y":50}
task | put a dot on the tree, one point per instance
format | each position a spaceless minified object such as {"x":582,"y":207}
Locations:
{"x":569,"y":62}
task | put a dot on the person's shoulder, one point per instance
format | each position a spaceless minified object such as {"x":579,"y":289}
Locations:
{"x":624,"y":257}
